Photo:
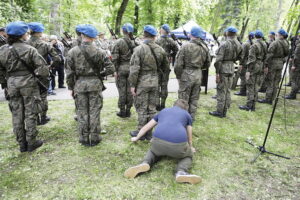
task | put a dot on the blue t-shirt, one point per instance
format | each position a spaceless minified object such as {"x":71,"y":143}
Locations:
{"x":172,"y":123}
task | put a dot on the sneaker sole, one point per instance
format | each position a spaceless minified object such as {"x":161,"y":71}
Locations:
{"x":133,"y":171}
{"x":192,"y":179}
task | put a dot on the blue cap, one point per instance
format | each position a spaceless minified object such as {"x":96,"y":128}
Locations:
{"x":79,"y":28}
{"x":259,"y":33}
{"x":128,"y":28}
{"x":36,"y":27}
{"x":252,"y":33}
{"x":197,"y":32}
{"x":231,"y":29}
{"x":282,"y":32}
{"x":166,"y":28}
{"x":16,"y":28}
{"x":89,"y":30}
{"x":272,"y":33}
{"x":150,"y":29}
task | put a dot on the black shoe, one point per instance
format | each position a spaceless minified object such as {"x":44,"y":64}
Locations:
{"x":135,"y":133}
{"x":96,"y":140}
{"x":216,"y":114}
{"x":35,"y":145}
{"x":122,"y":114}
{"x":288,"y":84}
{"x":214,"y":97}
{"x":44,"y":120}
{"x":240,"y":94}
{"x":290,"y":97}
{"x":23,"y":147}
{"x":128,"y":113}
{"x":246,"y":108}
{"x":262,"y":90}
{"x":264,"y":101}
{"x":62,"y":86}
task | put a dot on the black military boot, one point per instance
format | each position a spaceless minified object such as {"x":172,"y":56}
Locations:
{"x":128,"y":113}
{"x":264,"y":101}
{"x":122,"y":113}
{"x":45,"y":119}
{"x":23,"y":146}
{"x":35,"y":145}
{"x":262,"y":90}
{"x":240,"y":93}
{"x":247,"y":108}
{"x":95,"y":139}
{"x":216,"y":114}
{"x":290,"y":96}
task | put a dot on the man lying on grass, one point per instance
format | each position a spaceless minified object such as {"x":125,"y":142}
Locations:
{"x":173,"y":138}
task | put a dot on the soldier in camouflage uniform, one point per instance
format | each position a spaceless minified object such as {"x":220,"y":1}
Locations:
{"x":255,"y":68}
{"x":295,"y":79}
{"x":277,"y":52}
{"x":242,"y":68}
{"x":45,"y":49}
{"x":22,"y":87}
{"x":86,"y":65}
{"x":121,"y":54}
{"x":190,"y":60}
{"x":171,"y":48}
{"x":3,"y":34}
{"x":147,"y":59}
{"x":228,"y":53}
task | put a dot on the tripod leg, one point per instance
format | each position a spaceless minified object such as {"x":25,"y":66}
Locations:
{"x":255,"y":158}
{"x":274,"y":154}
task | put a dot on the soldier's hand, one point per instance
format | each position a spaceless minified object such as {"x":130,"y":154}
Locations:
{"x":217,"y":78}
{"x":134,"y":139}
{"x":247,"y":76}
{"x":293,"y":68}
{"x":133,"y":91}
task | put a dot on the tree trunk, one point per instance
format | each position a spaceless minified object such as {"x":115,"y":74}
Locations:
{"x":278,"y":14}
{"x":244,"y":27}
{"x":136,"y":16}
{"x":120,"y":16}
{"x":55,"y":25}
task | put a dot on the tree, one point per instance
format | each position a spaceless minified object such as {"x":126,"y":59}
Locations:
{"x":120,"y":15}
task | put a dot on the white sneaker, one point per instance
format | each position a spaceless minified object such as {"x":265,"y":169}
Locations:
{"x":133,"y":171}
{"x":183,"y":177}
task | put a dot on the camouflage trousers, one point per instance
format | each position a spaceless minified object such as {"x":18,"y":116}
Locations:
{"x":273,"y":83}
{"x":162,"y":92}
{"x":145,"y":104}
{"x":223,"y":92}
{"x":295,"y":81}
{"x":240,"y":74}
{"x":88,"y":107}
{"x":265,"y":79}
{"x":189,"y":90}
{"x":253,"y":85}
{"x":44,"y":94}
{"x":125,"y":97}
{"x":22,"y":105}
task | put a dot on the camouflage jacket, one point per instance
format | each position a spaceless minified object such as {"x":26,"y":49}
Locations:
{"x":257,"y":56}
{"x":297,"y":57}
{"x":122,"y":52}
{"x":167,"y":44}
{"x":246,"y":48}
{"x":15,"y":72}
{"x":228,"y":53}
{"x":44,"y":49}
{"x":192,"y":55}
{"x":143,"y":67}
{"x":277,"y":52}
{"x":81,"y":76}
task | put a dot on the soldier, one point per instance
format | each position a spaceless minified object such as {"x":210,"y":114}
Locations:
{"x":121,"y":54}
{"x":277,"y":52}
{"x":86,"y":66}
{"x":266,"y":77}
{"x":190,"y":60}
{"x":45,"y":50}
{"x":20,"y":65}
{"x":171,"y":49}
{"x":228,"y":53}
{"x":3,"y":36}
{"x":296,"y":72}
{"x":147,"y":59}
{"x":255,"y":67}
{"x":242,"y":68}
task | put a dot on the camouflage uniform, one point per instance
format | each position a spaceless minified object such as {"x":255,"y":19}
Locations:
{"x":121,"y":54}
{"x":144,"y":78}
{"x":170,"y":48}
{"x":255,"y":66}
{"x":22,"y":88}
{"x":277,"y":52}
{"x":229,"y":52}
{"x":87,"y":88}
{"x":242,"y":73}
{"x":44,"y":49}
{"x":190,"y":60}
{"x":266,"y":77}
{"x":296,"y":73}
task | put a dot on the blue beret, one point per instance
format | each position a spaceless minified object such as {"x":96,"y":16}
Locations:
{"x":89,"y":30}
{"x":16,"y":28}
{"x":232,"y":29}
{"x":197,"y":32}
{"x":166,"y":28}
{"x":36,"y":27}
{"x":282,"y":32}
{"x":272,"y":33}
{"x":128,"y":28}
{"x":259,"y":33}
{"x":252,"y":33}
{"x":79,"y":28}
{"x":150,"y":29}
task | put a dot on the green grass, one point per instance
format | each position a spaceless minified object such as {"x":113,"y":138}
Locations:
{"x":63,"y":169}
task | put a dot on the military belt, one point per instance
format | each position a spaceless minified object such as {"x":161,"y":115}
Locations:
{"x":19,"y":73}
